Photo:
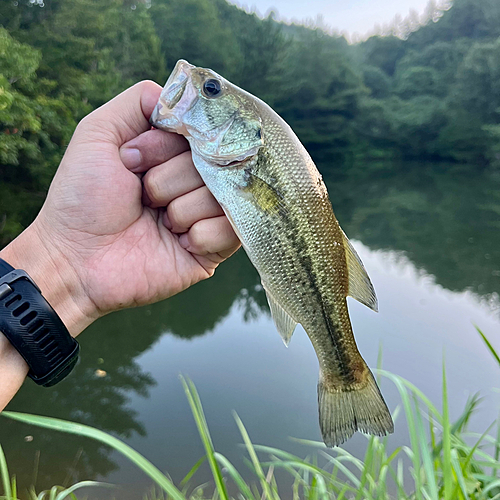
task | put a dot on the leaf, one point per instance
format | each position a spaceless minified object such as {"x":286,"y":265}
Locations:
{"x":201,"y":423}
{"x":84,"y":430}
{"x":489,"y":346}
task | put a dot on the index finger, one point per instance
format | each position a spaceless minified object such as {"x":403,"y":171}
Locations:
{"x":152,"y":148}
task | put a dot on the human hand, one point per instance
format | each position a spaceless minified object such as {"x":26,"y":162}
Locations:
{"x":103,"y":239}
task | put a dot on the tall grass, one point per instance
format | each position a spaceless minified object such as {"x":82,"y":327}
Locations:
{"x":443,"y":461}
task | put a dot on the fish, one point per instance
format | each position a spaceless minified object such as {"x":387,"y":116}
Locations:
{"x":278,"y":205}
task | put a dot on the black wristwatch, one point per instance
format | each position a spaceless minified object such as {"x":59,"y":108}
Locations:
{"x":34,"y":329}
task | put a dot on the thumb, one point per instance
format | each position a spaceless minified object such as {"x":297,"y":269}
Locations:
{"x":124,"y":117}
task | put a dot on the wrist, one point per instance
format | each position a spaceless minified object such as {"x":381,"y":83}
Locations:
{"x":13,"y":371}
{"x":51,"y":271}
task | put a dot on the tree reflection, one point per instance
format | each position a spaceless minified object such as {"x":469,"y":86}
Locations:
{"x":445,"y":220}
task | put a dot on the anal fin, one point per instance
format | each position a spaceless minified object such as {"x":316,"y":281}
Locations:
{"x":283,"y":321}
{"x":360,"y":286}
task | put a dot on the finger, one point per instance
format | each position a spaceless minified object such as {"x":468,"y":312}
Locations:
{"x":151,"y":148}
{"x":124,"y":117}
{"x":210,"y":261}
{"x":170,"y":180}
{"x":210,"y":236}
{"x":184,"y":211}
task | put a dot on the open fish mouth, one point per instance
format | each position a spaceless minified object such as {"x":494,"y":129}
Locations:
{"x":178,"y":93}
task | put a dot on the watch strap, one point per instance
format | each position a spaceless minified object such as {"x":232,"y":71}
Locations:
{"x":34,"y":329}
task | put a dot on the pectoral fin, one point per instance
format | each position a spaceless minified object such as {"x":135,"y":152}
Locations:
{"x":265,"y":196}
{"x":360,"y":286}
{"x":283,"y":321}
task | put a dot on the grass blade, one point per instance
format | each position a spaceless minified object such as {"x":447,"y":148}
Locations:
{"x":84,"y":430}
{"x":447,"y":466}
{"x":192,"y":472}
{"x":4,"y":471}
{"x":201,"y":423}
{"x":82,"y":484}
{"x":415,"y":456}
{"x":425,"y":452}
{"x":489,"y":346}
{"x":458,"y":474}
{"x":366,"y":469}
{"x":253,"y":456}
{"x":497,"y":444}
{"x":243,"y":487}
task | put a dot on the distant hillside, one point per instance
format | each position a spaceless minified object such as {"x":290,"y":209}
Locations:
{"x":433,"y":96}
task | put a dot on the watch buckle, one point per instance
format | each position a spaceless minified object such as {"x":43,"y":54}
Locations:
{"x":15,"y":275}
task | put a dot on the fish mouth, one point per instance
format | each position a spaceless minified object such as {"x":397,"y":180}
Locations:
{"x":176,"y":97}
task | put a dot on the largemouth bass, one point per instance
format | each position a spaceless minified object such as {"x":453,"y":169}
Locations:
{"x":275,"y":198}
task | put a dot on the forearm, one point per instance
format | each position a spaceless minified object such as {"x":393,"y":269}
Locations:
{"x":13,"y":371}
{"x":59,"y":286}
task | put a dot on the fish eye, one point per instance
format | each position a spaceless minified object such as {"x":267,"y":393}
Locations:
{"x":212,"y":87}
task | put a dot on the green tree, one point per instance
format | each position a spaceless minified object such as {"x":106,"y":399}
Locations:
{"x":34,"y":130}
{"x":377,"y":81}
{"x":192,"y":30}
{"x":478,"y":81}
{"x":319,"y":94}
{"x":262,"y":48}
{"x":416,"y":124}
{"x":383,"y":52}
{"x":470,"y":19}
{"x":417,"y":81}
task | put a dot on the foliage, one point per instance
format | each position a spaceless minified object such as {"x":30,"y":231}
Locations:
{"x":478,"y":81}
{"x":441,"y":461}
{"x":59,"y":60}
{"x":434,"y":94}
{"x":34,"y":129}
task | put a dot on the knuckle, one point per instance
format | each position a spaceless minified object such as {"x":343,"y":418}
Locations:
{"x":153,"y":186}
{"x":197,"y":237}
{"x":174,"y":213}
{"x":205,"y":201}
{"x":86,"y":125}
{"x":92,"y":128}
{"x":145,"y":85}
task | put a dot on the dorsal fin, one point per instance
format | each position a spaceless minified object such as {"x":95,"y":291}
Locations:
{"x":283,"y":321}
{"x":360,"y":286}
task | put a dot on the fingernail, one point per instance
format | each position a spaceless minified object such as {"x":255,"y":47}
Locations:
{"x":131,"y":158}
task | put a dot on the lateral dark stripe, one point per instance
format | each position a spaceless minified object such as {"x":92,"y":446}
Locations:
{"x":342,"y":355}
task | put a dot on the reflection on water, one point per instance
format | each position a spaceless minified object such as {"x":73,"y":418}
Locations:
{"x":445,"y":224}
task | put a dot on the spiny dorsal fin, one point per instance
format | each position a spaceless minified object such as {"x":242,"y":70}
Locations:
{"x":283,"y":321}
{"x":360,"y":286}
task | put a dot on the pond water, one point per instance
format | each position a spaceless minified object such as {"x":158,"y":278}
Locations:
{"x":430,"y":242}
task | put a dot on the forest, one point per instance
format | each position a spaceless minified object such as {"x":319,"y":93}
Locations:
{"x":431,"y":93}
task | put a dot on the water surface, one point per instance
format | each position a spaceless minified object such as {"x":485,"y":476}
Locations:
{"x":429,"y":238}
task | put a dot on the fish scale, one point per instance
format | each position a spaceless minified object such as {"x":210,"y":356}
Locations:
{"x":278,"y":204}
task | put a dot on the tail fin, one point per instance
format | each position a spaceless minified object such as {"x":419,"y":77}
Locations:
{"x":344,"y":411}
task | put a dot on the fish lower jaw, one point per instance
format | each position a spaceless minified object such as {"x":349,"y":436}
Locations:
{"x":243,"y":161}
{"x":168,"y":123}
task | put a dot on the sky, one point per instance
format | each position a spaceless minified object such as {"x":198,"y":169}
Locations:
{"x":351,"y":16}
